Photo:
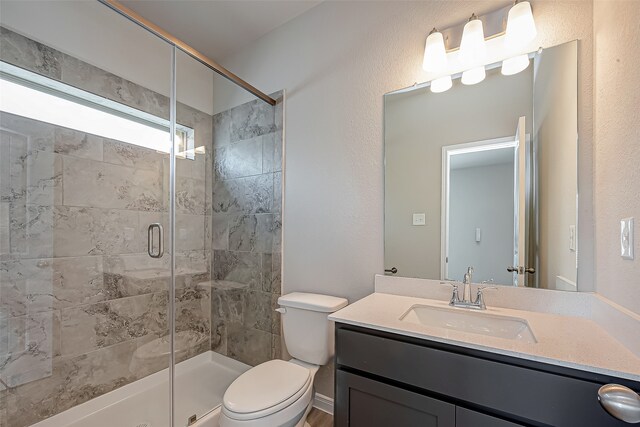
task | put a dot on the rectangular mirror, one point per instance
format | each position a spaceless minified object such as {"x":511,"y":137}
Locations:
{"x":486,"y":176}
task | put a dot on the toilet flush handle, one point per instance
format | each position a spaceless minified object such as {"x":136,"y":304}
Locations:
{"x":281,"y":310}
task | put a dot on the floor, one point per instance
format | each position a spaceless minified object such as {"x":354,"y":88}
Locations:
{"x":318,"y":418}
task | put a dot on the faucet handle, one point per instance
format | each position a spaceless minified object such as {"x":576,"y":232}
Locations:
{"x":487,"y":281}
{"x":455,"y":296}
{"x":480,"y":296}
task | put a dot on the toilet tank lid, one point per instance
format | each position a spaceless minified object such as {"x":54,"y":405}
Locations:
{"x":313,"y":302}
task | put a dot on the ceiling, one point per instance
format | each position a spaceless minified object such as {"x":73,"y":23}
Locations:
{"x":482,"y":158}
{"x":219,"y":28}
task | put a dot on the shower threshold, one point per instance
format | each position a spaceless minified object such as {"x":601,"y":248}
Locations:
{"x":199,"y":387}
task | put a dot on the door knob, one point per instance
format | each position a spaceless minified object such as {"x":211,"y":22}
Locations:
{"x":512,"y":269}
{"x":530,"y":270}
{"x":621,"y":402}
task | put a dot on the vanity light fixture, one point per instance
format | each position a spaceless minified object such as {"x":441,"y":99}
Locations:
{"x":441,"y":84}
{"x":521,"y":28}
{"x":472,"y":47}
{"x":514,"y":65}
{"x":473,"y":76}
{"x":435,"y":54}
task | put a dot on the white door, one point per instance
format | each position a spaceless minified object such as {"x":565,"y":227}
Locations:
{"x":519,"y":220}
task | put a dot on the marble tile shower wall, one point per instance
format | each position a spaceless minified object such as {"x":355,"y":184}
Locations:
{"x":247,"y":223}
{"x":79,"y":296}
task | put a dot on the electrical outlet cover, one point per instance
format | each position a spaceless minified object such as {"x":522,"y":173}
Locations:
{"x":626,"y":238}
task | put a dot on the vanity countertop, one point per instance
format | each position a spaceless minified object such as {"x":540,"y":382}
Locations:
{"x":569,"y":341}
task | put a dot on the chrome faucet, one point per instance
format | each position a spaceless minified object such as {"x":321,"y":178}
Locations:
{"x":466,"y":301}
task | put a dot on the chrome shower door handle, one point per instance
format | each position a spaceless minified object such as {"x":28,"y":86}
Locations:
{"x":150,"y":244}
{"x":620,"y":402}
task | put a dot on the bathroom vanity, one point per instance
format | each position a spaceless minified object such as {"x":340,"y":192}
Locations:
{"x":393,"y":370}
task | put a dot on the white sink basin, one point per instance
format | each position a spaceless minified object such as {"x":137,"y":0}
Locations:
{"x":464,"y":320}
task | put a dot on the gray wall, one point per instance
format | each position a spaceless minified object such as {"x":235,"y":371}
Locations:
{"x":79,"y":294}
{"x":417,"y":125}
{"x":247,"y":222}
{"x":481,"y":197}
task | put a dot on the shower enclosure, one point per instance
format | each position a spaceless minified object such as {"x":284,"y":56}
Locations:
{"x":140,"y":219}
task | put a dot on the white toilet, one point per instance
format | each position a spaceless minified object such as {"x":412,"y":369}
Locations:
{"x":280,"y":393}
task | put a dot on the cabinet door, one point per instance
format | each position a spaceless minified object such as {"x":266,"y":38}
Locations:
{"x":362,"y":402}
{"x":468,"y":418}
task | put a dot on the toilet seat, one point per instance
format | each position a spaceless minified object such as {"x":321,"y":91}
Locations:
{"x":267,"y":389}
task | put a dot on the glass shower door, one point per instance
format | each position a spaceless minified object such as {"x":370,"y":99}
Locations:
{"x":84,"y":173}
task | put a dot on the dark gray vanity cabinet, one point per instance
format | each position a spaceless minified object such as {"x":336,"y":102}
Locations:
{"x":385,"y":379}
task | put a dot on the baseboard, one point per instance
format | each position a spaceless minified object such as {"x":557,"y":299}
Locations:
{"x":323,"y":403}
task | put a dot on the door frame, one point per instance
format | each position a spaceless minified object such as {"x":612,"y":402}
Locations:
{"x":449,"y":151}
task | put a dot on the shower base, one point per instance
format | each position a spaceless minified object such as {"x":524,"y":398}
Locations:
{"x":199,"y":386}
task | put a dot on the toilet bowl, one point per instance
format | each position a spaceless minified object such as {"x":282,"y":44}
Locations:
{"x":280,"y":393}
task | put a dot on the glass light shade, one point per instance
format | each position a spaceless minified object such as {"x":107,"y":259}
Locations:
{"x":514,"y":65}
{"x":521,"y":28}
{"x":435,"y":55}
{"x":472,"y":47}
{"x":473,"y":76}
{"x":441,"y":84}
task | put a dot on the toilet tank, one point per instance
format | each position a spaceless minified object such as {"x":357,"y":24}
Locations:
{"x":308,"y":333}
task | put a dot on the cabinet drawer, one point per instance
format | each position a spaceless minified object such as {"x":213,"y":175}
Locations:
{"x":525,"y":395}
{"x":467,"y":418}
{"x":362,"y":402}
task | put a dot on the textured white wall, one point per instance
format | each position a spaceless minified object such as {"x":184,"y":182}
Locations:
{"x":336,"y":62}
{"x":617,"y":148}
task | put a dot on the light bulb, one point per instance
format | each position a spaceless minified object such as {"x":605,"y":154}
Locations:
{"x":441,"y":84}
{"x":473,"y":76}
{"x":514,"y":65}
{"x":521,"y":28}
{"x":472,"y":47}
{"x":435,"y":54}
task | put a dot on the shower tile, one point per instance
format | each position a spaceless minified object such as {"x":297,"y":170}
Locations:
{"x":252,"y":119}
{"x":240,"y":159}
{"x":31,"y":230}
{"x":243,"y":233}
{"x":193,"y":309}
{"x":34,"y":285}
{"x":40,"y":136}
{"x":93,"y":79}
{"x":240,"y":267}
{"x":96,"y":184}
{"x":220,"y":231}
{"x":266,"y":276}
{"x":222,"y":129}
{"x":244,"y":195}
{"x":219,"y":336}
{"x":94,"y":326}
{"x":228,"y":301}
{"x":275,"y":319}
{"x":189,"y":232}
{"x":78,"y":144}
{"x":276,"y":347}
{"x":33,"y":177}
{"x":29,"y":344}
{"x":26,"y":53}
{"x":125,"y":154}
{"x":93,"y":231}
{"x":258,"y":310}
{"x":277,"y":192}
{"x":190,"y":196}
{"x":250,"y":346}
{"x":277,"y":233}
{"x":272,"y":152}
